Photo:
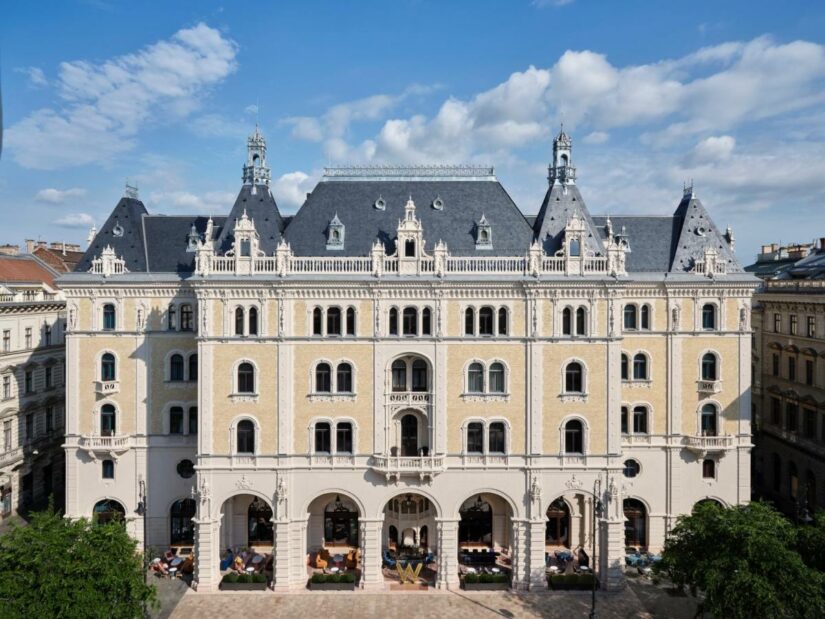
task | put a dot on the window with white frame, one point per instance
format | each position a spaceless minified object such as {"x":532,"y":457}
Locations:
{"x":187,"y":317}
{"x":410,"y":321}
{"x":183,"y":420}
{"x":708,"y":420}
{"x":108,"y":367}
{"x":486,"y":378}
{"x":709,"y":369}
{"x":574,"y":378}
{"x":109,"y":320}
{"x":574,"y":437}
{"x":176,"y":368}
{"x":245,"y":378}
{"x":333,"y":436}
{"x":245,"y":437}
{"x":640,"y":367}
{"x":409,"y":374}
{"x":333,"y":321}
{"x":192,"y":364}
{"x":574,"y":321}
{"x":486,"y":321}
{"x":486,"y":437}
{"x":709,"y":318}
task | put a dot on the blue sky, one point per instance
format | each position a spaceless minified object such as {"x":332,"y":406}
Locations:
{"x":654,"y":94}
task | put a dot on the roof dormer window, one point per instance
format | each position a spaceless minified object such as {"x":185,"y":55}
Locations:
{"x":335,"y":234}
{"x":484,"y":234}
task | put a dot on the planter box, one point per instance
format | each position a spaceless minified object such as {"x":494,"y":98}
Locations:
{"x":486,"y":586}
{"x":332,"y":586}
{"x":243,"y":586}
{"x":566,"y":587}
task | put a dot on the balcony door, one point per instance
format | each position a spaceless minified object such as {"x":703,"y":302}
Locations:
{"x":409,"y":435}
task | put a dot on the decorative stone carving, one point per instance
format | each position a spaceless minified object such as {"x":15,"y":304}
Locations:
{"x":281,"y":499}
{"x":574,"y":483}
{"x":244,"y":483}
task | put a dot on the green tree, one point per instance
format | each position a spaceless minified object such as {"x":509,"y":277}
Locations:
{"x":66,"y":569}
{"x":811,"y":542}
{"x":744,"y":560}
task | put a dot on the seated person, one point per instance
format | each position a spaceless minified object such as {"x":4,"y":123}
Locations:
{"x":258,"y":563}
{"x":227,"y":560}
{"x":239,"y":566}
{"x":158,"y":567}
{"x":168,"y":556}
{"x":187,"y":566}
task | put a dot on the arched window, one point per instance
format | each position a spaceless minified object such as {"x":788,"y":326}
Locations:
{"x":107,"y":367}
{"x":793,"y":480}
{"x":581,"y":321}
{"x":485,"y":321}
{"x":253,"y":321}
{"x":476,"y":524}
{"x":393,"y":321}
{"x":640,"y":367}
{"x":573,"y":378}
{"x":625,"y":367}
{"x":193,"y":420}
{"x":574,"y":437}
{"x":631,"y":468}
{"x":640,"y":420}
{"x":323,"y":438}
{"x":333,"y":321}
{"x":557,"y":531}
{"x":469,"y":321}
{"x":409,"y":248}
{"x":343,"y":438}
{"x":246,"y":437}
{"x":708,"y":420}
{"x":323,"y":378}
{"x":399,"y":375}
{"x":108,"y":419}
{"x":495,"y":438}
{"x":644,"y":317}
{"x":350,"y":321}
{"x":708,"y":468}
{"x":260,"y":529}
{"x":426,"y":321}
{"x":343,"y":378}
{"x":475,"y":437}
{"x":317,"y":321}
{"x":409,"y":322}
{"x":575,"y":247}
{"x":239,"y":320}
{"x":708,"y":317}
{"x":496,"y":381}
{"x":109,"y":317}
{"x":475,"y":378}
{"x":176,"y":420}
{"x":567,"y":321}
{"x":176,"y":367}
{"x":182,"y":528}
{"x":624,"y":420}
{"x":108,"y":469}
{"x":630,"y":317}
{"x":419,"y":375}
{"x":502,"y":321}
{"x":635,"y":526}
{"x":193,"y":366}
{"x":246,"y":378}
{"x":187,"y":322}
{"x":108,"y":510}
{"x":171,"y":318}
{"x":709,"y":366}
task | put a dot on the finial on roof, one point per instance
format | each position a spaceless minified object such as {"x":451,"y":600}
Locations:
{"x":131,"y":191}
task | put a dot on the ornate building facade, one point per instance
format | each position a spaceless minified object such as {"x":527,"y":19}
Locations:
{"x":407,"y":361}
{"x":31,"y":385}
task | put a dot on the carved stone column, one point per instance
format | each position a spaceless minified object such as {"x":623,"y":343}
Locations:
{"x":537,"y":576}
{"x":280,"y":553}
{"x":521,"y":554}
{"x":447,"y":553}
{"x":207,"y":555}
{"x":370,"y":544}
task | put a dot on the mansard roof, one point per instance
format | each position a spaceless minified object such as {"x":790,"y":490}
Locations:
{"x":698,"y":233}
{"x":561,"y":202}
{"x":259,"y":204}
{"x":463,"y":202}
{"x":123,"y":231}
{"x":167,"y":241}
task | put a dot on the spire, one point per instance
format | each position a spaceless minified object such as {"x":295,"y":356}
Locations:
{"x":256,"y":172}
{"x":562,"y":170}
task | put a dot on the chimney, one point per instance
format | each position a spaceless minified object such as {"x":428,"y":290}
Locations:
{"x":63,"y":247}
{"x":9,"y":250}
{"x":774,"y":246}
{"x":29,"y":246}
{"x":766,"y":249}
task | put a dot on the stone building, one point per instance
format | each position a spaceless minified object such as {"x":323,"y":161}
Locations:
{"x":31,"y":386}
{"x":407,"y":361}
{"x":789,"y":377}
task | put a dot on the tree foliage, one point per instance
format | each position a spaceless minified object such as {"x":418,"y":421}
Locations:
{"x":744,"y":560}
{"x":67,"y":569}
{"x":811,"y":542}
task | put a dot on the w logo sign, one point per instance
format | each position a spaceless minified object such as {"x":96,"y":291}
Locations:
{"x":407,"y":574}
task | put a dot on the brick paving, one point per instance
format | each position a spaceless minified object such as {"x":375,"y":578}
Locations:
{"x":358,"y":605}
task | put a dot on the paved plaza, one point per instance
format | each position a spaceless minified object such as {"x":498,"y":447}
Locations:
{"x":638,"y":600}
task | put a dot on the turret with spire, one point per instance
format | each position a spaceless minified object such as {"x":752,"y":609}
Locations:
{"x":256,"y":172}
{"x":562,"y":169}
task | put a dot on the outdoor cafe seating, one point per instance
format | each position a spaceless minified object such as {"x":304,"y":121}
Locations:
{"x":478,"y":557}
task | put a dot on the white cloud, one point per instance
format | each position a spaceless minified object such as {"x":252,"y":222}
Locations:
{"x":103,"y":106}
{"x":596,"y":137}
{"x":58,"y":196}
{"x":76,"y":220}
{"x":252,"y":110}
{"x":207,"y":203}
{"x":35,"y":74}
{"x":715,"y":148}
{"x":217,"y":126}
{"x":290,"y":189}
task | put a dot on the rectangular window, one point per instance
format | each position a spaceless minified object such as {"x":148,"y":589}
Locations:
{"x":776,"y":412}
{"x":6,"y":340}
{"x":811,"y":330}
{"x":28,"y":338}
{"x":6,"y":387}
{"x":777,"y":323}
{"x":5,"y":499}
{"x":7,"y":435}
{"x":794,"y":324}
{"x":176,"y":420}
{"x":791,"y":417}
{"x":496,"y":438}
{"x":810,"y":423}
{"x":49,"y":419}
{"x":475,"y":438}
{"x":29,"y":427}
{"x":624,"y":420}
{"x":47,"y":335}
{"x":775,"y":364}
{"x":47,"y":378}
{"x":343,"y":438}
{"x":193,"y":420}
{"x":29,"y":382}
{"x":792,"y":368}
{"x":809,"y":372}
{"x":322,"y":438}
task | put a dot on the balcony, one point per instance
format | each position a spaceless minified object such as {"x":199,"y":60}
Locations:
{"x":396,"y":467}
{"x":704,"y":445}
{"x":107,"y":387}
{"x":709,"y":386}
{"x":11,"y":456}
{"x":112,"y":445}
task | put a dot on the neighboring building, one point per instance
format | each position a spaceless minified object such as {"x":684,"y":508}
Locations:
{"x":407,"y":361}
{"x":61,"y":256}
{"x":789,"y":377}
{"x":31,"y":386}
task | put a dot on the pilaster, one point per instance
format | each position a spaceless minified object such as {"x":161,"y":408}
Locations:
{"x":280,"y":553}
{"x":207,"y":557}
{"x":372,"y":579}
{"x":537,"y":576}
{"x":521,"y":554}
{"x":447,"y":553}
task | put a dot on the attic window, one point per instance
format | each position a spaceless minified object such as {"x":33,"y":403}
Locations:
{"x":380,"y":204}
{"x":438,"y":203}
{"x":117,"y":230}
{"x":335,"y":234}
{"x":700,"y":231}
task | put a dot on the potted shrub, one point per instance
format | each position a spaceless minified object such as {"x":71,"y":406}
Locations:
{"x":486,"y":582}
{"x":332,"y":582}
{"x":243,"y":582}
{"x":571,"y":582}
